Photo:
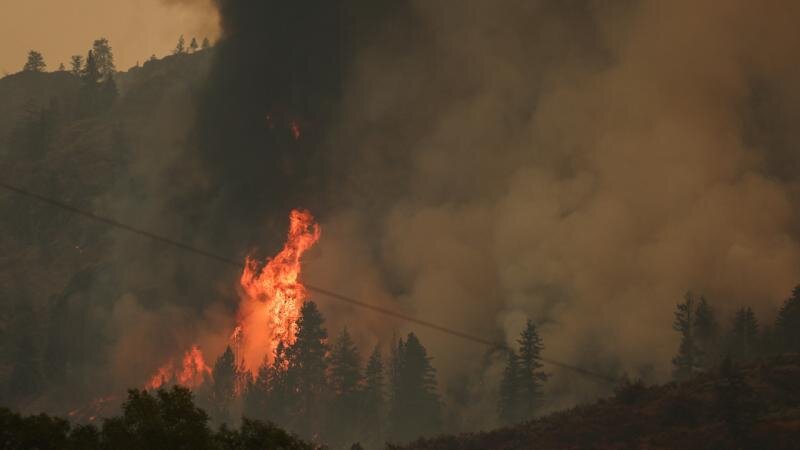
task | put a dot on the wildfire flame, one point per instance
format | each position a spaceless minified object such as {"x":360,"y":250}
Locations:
{"x":272,"y":296}
{"x":191,"y":374}
{"x":269,"y":307}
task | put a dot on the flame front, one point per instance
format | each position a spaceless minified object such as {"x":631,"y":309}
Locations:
{"x":192,"y":373}
{"x":272,"y":296}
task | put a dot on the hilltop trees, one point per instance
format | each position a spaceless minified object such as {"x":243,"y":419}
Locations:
{"x":521,"y":386}
{"x":35,"y":62}
{"x":104,"y":59}
{"x":75,"y":65}
{"x":180,"y":47}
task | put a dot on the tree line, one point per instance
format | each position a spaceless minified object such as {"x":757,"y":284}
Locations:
{"x":705,"y":343}
{"x":104,"y":59}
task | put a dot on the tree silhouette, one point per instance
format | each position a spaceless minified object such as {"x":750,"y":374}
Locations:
{"x":76,"y":65}
{"x":374,"y":398}
{"x":306,"y":373}
{"x":345,"y":382}
{"x":706,"y":332}
{"x":180,"y":47}
{"x":743,"y":340}
{"x":206,"y":44}
{"x":415,"y":408}
{"x":35,"y":62}
{"x":787,"y":324}
{"x":193,"y":45}
{"x":104,"y":59}
{"x":510,"y":395}
{"x":531,"y":377}
{"x":223,"y":390}
{"x":686,"y":362}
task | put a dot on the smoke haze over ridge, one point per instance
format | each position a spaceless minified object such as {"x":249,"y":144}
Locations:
{"x":583,"y":163}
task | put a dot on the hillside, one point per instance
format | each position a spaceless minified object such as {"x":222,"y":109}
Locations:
{"x":756,"y":406}
{"x":58,"y":277}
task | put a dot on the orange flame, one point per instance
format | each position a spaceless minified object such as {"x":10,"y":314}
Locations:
{"x":272,"y":297}
{"x":192,"y":373}
{"x":295,"y":128}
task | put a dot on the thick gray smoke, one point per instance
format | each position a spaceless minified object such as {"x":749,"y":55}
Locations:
{"x":580,"y":163}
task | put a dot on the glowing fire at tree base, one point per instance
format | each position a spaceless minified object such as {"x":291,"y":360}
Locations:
{"x":271,"y":298}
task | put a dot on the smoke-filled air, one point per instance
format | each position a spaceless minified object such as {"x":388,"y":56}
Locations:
{"x":410,"y":224}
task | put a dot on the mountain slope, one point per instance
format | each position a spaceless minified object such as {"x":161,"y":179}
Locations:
{"x":753,"y":407}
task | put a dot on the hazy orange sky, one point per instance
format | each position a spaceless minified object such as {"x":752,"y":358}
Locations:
{"x":136,"y":29}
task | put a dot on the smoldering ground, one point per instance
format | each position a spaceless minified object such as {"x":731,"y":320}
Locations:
{"x":582,"y":163}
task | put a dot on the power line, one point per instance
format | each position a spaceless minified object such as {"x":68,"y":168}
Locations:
{"x":494,"y":345}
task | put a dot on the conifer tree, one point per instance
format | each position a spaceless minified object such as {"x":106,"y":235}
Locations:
{"x":193,"y":45}
{"x":75,"y":65}
{"x":374,"y":398}
{"x":307,"y":367}
{"x":206,"y":44}
{"x":787,"y":324}
{"x":415,"y":409}
{"x":35,"y":62}
{"x":180,"y":47}
{"x":104,"y":59}
{"x":531,"y":377}
{"x":345,"y":385}
{"x":62,"y":68}
{"x":90,"y":74}
{"x":743,"y":340}
{"x":223,"y":390}
{"x":706,"y":331}
{"x":510,"y":395}
{"x":686,"y":362}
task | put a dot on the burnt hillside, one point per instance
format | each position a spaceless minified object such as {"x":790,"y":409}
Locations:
{"x":756,"y":406}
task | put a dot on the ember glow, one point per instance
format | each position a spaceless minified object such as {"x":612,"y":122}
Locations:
{"x":272,"y":295}
{"x":192,"y":372}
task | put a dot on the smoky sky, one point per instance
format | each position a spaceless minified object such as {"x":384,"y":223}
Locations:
{"x":581,"y":163}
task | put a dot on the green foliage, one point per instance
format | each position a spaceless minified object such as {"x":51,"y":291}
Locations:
{"x":35,"y":62}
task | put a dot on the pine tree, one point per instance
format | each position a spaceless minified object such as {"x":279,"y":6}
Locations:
{"x":374,"y":399}
{"x":706,"y":332}
{"x":104,"y":59}
{"x":531,"y":377}
{"x":206,"y":44}
{"x":193,"y":45}
{"x":510,"y":395}
{"x":686,"y":362}
{"x":62,"y":68}
{"x":307,"y":367}
{"x":90,"y":74}
{"x":743,"y":340}
{"x":35,"y":62}
{"x":787,"y":324}
{"x":224,"y":388}
{"x":415,"y":409}
{"x":345,"y":384}
{"x":180,"y":47}
{"x":75,"y":65}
